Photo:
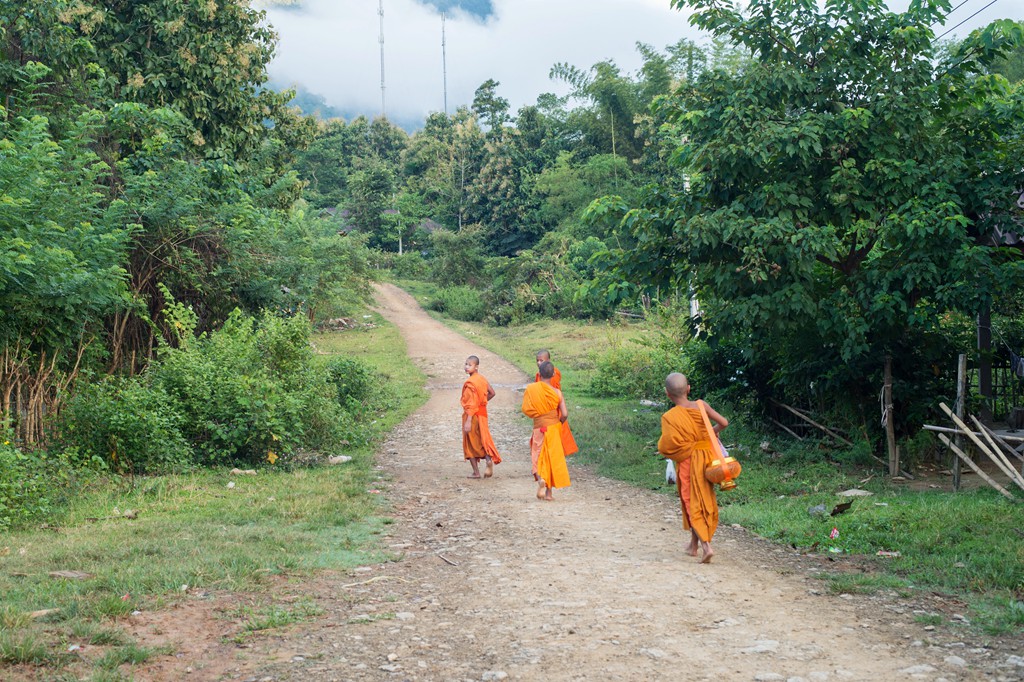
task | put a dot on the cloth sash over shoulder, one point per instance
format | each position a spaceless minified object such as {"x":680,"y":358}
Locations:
{"x":686,"y":441}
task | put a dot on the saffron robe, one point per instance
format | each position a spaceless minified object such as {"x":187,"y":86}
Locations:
{"x":541,"y":403}
{"x":536,"y":438}
{"x":478,"y":443}
{"x":686,"y":441}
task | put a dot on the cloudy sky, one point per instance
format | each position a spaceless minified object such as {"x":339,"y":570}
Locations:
{"x":331,"y":47}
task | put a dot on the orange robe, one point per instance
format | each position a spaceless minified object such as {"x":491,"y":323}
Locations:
{"x":537,"y":437}
{"x":541,"y":403}
{"x":686,"y":441}
{"x":478,"y":443}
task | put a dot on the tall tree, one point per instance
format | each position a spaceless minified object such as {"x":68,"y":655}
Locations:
{"x":490,"y":109}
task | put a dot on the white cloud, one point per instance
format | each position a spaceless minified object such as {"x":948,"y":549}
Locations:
{"x":332,"y":48}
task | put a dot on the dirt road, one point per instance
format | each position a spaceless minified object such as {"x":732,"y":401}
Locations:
{"x":489,"y":583}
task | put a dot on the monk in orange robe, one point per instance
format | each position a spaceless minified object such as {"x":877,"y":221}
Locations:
{"x":477,"y":443}
{"x":544,"y":403}
{"x":687,"y":441}
{"x":545,"y":356}
{"x":568,"y":441}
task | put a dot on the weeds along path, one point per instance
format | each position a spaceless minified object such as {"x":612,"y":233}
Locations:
{"x":489,"y":583}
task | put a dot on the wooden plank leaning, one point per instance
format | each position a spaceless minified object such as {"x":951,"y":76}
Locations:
{"x":967,"y":460}
{"x":977,"y":441}
{"x":1002,"y":462}
{"x":1002,"y":441}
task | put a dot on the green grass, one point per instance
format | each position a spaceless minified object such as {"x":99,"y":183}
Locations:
{"x":194,"y":530}
{"x":271,"y":616}
{"x":967,"y":544}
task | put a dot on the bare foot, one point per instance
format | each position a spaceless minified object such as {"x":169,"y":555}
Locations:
{"x":540,"y":490}
{"x":692,"y":550}
{"x":474,"y":475}
{"x":708,"y":553}
{"x":489,"y":471}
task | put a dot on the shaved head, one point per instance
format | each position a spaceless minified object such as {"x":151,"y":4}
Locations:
{"x":676,"y":385}
{"x":546,"y":370}
{"x":543,"y":356}
{"x":473,"y":359}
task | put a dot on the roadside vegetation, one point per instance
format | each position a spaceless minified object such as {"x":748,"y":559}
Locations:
{"x":141,"y":542}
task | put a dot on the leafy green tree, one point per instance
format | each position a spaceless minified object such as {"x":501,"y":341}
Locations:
{"x":843,"y":186}
{"x":490,"y":109}
{"x":568,"y":188}
{"x":204,"y":58}
{"x":372,"y":190}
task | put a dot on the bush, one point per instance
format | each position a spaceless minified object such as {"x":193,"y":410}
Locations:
{"x":410,"y":266}
{"x":457,"y":257}
{"x":461,"y":303}
{"x":250,"y":391}
{"x":131,"y":425}
{"x":33,"y":484}
{"x":636,"y":372}
{"x":23,"y":485}
{"x":352,"y":380}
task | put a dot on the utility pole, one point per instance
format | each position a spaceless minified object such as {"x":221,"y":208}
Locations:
{"x":444,"y":64}
{"x":383,"y":106}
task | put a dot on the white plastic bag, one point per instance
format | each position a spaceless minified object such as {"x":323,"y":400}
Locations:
{"x":670,"y":471}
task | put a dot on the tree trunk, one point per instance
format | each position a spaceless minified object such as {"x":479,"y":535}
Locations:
{"x":890,"y":430}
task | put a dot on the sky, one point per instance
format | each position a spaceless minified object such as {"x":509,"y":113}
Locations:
{"x":332,"y":47}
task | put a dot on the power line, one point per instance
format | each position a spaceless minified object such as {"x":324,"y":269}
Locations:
{"x":967,"y":19}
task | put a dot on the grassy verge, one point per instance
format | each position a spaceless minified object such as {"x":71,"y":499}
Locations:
{"x":136,"y":544}
{"x":967,"y":545}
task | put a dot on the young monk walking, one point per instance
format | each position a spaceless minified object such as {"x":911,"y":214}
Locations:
{"x":545,"y":404}
{"x":477,"y":443}
{"x":568,"y":441}
{"x":689,"y":439}
{"x":542,"y":357}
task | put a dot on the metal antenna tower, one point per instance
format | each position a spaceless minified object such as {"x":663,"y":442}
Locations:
{"x":383,"y":105}
{"x":444,"y":64}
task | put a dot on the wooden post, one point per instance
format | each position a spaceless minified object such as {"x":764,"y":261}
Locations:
{"x":985,"y":362}
{"x":961,"y":399}
{"x":890,"y":430}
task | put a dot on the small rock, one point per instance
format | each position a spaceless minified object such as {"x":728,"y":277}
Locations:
{"x":922,"y":669}
{"x":955,"y":660}
{"x":339,"y":459}
{"x":391,"y":668}
{"x":1017,"y":661}
{"x":765,"y":646}
{"x":495,"y":675}
{"x":768,"y":677}
{"x":855,"y":492}
{"x":392,"y":657}
{"x":654,"y":653}
{"x":817,"y":510}
{"x":405,"y":615}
